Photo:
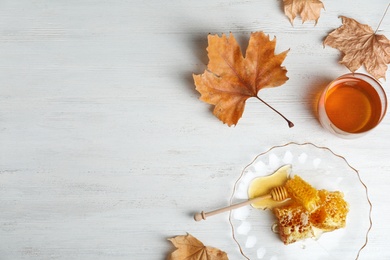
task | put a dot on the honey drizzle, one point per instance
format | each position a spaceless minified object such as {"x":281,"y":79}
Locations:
{"x":264,"y":185}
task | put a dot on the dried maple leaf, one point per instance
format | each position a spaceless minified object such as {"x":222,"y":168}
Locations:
{"x":230,"y":79}
{"x":309,"y":10}
{"x":188,"y":247}
{"x":361,"y":46}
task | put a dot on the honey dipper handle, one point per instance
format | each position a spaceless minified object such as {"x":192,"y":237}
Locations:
{"x":204,"y":215}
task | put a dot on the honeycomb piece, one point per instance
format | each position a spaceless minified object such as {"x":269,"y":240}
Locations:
{"x":303,"y":193}
{"x":293,"y":223}
{"x":310,"y":212}
{"x":332,"y":212}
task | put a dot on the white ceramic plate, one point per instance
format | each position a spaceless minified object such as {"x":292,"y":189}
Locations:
{"x":323,"y":169}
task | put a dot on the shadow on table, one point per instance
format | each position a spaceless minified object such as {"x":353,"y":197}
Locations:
{"x":314,"y":91}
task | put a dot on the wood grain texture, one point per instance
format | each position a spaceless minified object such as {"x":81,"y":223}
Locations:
{"x":106,"y":150}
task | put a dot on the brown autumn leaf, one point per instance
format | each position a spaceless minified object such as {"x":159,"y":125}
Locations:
{"x":309,"y":10}
{"x":188,"y":247}
{"x":361,"y":46}
{"x":230,"y":78}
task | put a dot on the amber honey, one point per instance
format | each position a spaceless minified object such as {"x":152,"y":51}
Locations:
{"x":263,"y":185}
{"x":352,"y":104}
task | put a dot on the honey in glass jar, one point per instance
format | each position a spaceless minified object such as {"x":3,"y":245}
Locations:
{"x":352,"y":105}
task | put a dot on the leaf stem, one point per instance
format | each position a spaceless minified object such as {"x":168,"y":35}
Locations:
{"x":290,"y":124}
{"x":387,"y":8}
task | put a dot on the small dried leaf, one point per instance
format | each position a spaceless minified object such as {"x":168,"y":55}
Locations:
{"x":230,"y":78}
{"x":361,"y":46}
{"x":188,"y":247}
{"x":309,"y":10}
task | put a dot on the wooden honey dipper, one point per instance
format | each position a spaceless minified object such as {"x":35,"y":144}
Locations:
{"x":278,"y":194}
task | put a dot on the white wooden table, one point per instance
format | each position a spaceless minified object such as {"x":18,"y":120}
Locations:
{"x":106,"y":150}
